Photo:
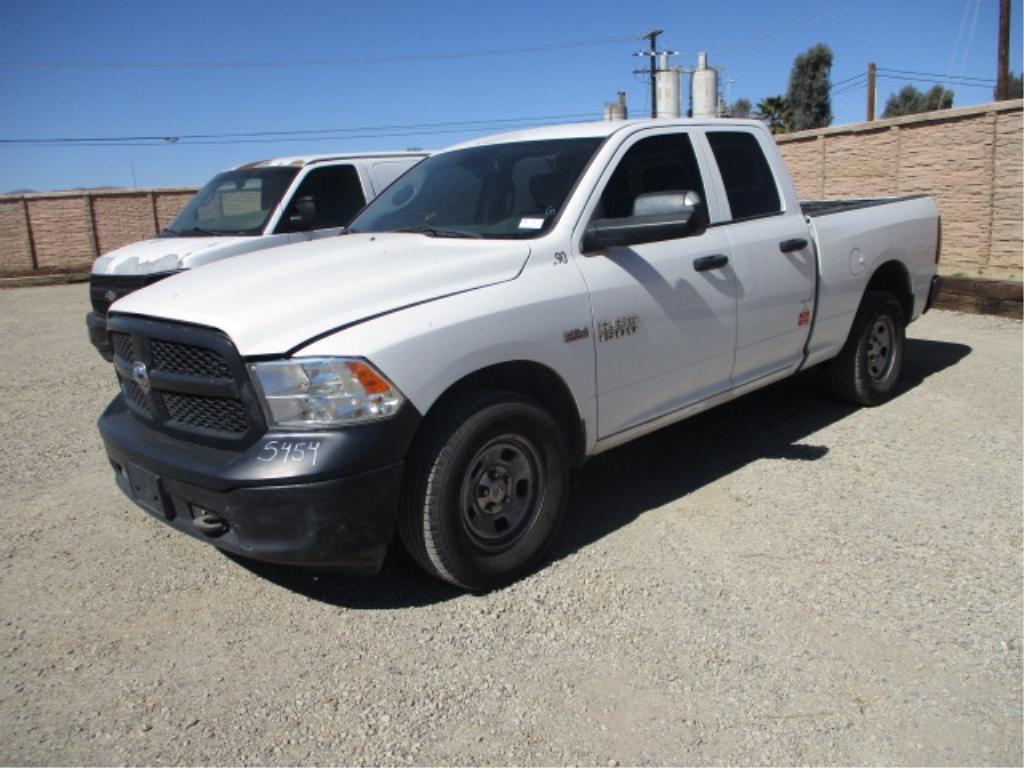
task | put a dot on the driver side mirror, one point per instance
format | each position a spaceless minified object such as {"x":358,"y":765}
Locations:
{"x":303,"y":214}
{"x":656,"y":216}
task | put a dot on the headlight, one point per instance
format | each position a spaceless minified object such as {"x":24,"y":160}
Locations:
{"x":324,"y":392}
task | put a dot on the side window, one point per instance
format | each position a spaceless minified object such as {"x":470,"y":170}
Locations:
{"x":337,"y":195}
{"x":656,"y":164}
{"x":749,"y":183}
{"x":387,"y":171}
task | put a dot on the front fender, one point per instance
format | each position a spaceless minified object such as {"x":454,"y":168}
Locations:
{"x":426,"y":349}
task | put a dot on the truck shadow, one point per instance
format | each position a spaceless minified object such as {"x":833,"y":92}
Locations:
{"x":615,"y":488}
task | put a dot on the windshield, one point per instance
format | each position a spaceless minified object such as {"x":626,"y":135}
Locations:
{"x":233,"y":203}
{"x":511,"y":190}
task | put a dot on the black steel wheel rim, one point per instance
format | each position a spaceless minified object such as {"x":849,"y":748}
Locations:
{"x":880,"y":351}
{"x":502,"y":491}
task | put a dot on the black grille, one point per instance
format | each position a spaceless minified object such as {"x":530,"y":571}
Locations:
{"x":123,"y":345}
{"x":186,"y":381}
{"x":106,"y":289}
{"x":188,"y":360}
{"x":211,"y":413}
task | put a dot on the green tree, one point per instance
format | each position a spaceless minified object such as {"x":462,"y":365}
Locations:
{"x":740,"y":108}
{"x":774,"y":110}
{"x":809,"y":86}
{"x":909,"y":101}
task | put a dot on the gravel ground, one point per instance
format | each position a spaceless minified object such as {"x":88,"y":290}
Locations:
{"x":782,"y":580}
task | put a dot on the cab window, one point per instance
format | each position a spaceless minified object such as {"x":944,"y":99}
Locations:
{"x":749,"y":183}
{"x":336,"y":193}
{"x":664,"y":163}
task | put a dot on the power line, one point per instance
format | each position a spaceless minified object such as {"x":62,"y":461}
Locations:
{"x":315,"y":62}
{"x":988,"y":80}
{"x":858,"y":76}
{"x":850,"y":88}
{"x":786,"y":30}
{"x":970,"y":37}
{"x":772,"y":31}
{"x":493,"y":122}
{"x":270,"y":137}
{"x":937,"y":81}
{"x":959,"y":38}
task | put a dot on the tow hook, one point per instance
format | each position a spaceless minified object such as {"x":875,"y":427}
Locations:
{"x":208,"y":523}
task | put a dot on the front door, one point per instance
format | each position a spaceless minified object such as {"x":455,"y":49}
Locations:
{"x":337,"y":194}
{"x":665,"y":327}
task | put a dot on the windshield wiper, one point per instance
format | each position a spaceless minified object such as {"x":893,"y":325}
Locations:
{"x":200,"y":231}
{"x":423,"y":229}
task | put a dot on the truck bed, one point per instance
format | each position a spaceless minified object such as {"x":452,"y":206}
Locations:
{"x":816,"y":208}
{"x":852,"y":243}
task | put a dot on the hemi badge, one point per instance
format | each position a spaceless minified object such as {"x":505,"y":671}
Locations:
{"x":804,"y":318}
{"x":575,"y":334}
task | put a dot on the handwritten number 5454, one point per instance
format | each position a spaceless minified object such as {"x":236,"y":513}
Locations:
{"x":286,"y":450}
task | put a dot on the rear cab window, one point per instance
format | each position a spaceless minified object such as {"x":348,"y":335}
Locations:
{"x":749,"y":182}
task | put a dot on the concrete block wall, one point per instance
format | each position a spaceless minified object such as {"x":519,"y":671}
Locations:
{"x":63,"y":232}
{"x":1007,"y":197}
{"x":169,"y":204}
{"x":122,"y":219}
{"x":60,"y":231}
{"x":971,"y":160}
{"x":15,"y":246}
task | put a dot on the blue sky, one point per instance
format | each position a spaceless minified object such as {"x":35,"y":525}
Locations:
{"x":70,"y":69}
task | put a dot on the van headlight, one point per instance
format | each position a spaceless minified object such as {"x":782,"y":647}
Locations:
{"x":323,"y":392}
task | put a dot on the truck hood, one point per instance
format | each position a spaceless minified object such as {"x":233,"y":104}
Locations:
{"x":161,"y":254}
{"x":271,"y":302}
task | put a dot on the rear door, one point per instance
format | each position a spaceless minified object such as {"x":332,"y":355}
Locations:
{"x":665,"y":331}
{"x":773,"y":262}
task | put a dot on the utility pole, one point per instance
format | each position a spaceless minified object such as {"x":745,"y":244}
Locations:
{"x":1003,"y":74}
{"x":871,"y":91}
{"x":653,"y":71}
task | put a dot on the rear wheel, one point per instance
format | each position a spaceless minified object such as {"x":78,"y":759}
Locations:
{"x":486,"y":492}
{"x":867,"y":369}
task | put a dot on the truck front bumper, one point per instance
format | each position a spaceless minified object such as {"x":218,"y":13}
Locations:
{"x":335,"y":508}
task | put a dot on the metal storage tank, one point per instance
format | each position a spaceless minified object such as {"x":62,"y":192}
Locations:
{"x":667,"y":88}
{"x":616,"y":110}
{"x":704,"y":88}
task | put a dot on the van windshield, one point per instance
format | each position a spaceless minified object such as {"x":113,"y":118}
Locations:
{"x":497,"y":191}
{"x":235,"y":202}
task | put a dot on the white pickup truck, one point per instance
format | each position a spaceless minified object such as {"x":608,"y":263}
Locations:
{"x":506,"y":309}
{"x":254,"y":206}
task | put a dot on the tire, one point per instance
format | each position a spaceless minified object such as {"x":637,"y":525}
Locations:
{"x":867,"y":369}
{"x":486,"y":491}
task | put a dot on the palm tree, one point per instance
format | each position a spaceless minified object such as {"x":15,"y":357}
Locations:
{"x":774,"y":110}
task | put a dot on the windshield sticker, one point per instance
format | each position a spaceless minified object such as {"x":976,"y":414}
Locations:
{"x":528,"y":222}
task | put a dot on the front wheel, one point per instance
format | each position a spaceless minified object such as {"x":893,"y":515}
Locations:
{"x":487,"y":490}
{"x":867,"y":369}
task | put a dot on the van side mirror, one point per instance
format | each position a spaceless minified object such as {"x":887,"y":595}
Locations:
{"x":656,"y":216}
{"x":303,"y":214}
